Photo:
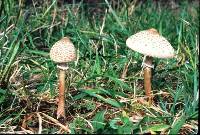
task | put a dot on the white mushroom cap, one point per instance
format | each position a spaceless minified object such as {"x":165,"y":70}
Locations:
{"x":63,"y":51}
{"x":150,"y":43}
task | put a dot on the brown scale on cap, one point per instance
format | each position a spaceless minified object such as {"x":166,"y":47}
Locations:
{"x":153,"y":31}
{"x":63,"y":51}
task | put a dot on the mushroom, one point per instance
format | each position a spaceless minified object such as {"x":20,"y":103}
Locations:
{"x":62,"y":51}
{"x":151,"y":44}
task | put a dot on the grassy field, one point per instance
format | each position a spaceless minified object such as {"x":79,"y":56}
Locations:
{"x":105,"y":84}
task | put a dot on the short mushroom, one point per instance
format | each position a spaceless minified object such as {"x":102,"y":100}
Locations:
{"x":151,"y":44}
{"x":62,"y":52}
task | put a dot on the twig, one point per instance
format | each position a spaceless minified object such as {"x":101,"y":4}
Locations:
{"x":57,"y":122}
{"x":40,"y":123}
{"x":123,"y":75}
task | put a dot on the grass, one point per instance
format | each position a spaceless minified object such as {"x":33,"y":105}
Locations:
{"x":106,"y":93}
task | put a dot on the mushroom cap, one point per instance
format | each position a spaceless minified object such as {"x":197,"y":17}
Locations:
{"x":63,"y":51}
{"x":151,"y":43}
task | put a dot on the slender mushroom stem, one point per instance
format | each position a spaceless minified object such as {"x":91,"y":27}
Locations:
{"x":61,"y":102}
{"x":147,"y":77}
{"x":62,"y":52}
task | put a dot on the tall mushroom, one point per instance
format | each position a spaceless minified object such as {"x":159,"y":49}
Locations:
{"x":151,"y":44}
{"x":62,"y":52}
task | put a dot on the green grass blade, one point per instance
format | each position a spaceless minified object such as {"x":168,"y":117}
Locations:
{"x":11,"y":59}
{"x":178,"y":125}
{"x":37,"y":52}
{"x":98,"y":120}
{"x":156,"y":128}
{"x":118,"y":81}
{"x":110,"y":101}
{"x":49,"y":8}
{"x":115,"y":15}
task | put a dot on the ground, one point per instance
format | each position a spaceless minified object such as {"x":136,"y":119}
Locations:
{"x":105,"y":92}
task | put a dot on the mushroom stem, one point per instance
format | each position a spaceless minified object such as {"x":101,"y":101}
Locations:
{"x":147,"y":77}
{"x":61,"y":102}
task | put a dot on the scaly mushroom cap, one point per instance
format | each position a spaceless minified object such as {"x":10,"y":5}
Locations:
{"x":150,"y":43}
{"x":63,"y":51}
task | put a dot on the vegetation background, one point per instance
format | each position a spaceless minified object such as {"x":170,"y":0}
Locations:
{"x":105,"y":83}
